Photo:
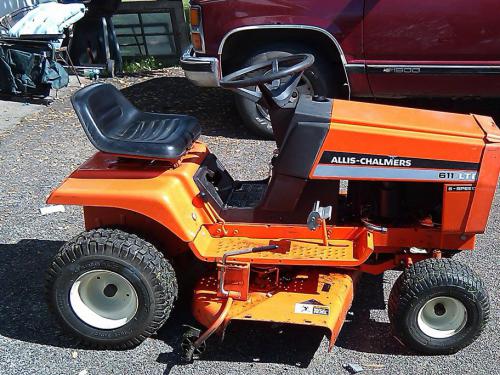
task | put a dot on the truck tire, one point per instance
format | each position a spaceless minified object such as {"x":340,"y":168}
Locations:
{"x":438,"y":306}
{"x":317,"y":80}
{"x":111,"y":289}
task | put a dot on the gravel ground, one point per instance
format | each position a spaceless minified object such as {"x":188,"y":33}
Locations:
{"x":44,"y":148}
{"x":14,"y":109}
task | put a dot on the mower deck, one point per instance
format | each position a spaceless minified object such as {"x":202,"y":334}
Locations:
{"x":313,"y":297}
{"x":311,"y":252}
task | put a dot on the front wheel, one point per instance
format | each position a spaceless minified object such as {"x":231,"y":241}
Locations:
{"x":438,"y":306}
{"x":111,"y":289}
{"x":317,"y":80}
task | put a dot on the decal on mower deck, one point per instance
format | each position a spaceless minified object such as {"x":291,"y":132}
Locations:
{"x":350,"y":165}
{"x":311,"y":307}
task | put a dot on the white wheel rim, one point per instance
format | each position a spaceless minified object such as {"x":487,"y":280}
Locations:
{"x":442,"y":317}
{"x":103,"y":299}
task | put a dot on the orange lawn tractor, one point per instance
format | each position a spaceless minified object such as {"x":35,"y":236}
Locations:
{"x":353,"y":188}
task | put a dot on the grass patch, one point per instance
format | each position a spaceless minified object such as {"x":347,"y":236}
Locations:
{"x":186,"y":5}
{"x":147,"y":64}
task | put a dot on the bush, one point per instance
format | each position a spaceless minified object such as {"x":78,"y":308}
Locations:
{"x":143,"y":64}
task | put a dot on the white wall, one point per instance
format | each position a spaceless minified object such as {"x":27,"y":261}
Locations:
{"x":7,"y":6}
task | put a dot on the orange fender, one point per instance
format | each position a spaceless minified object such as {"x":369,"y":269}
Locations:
{"x":164,"y":193}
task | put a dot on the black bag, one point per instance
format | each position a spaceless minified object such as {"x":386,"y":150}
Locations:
{"x":26,"y":69}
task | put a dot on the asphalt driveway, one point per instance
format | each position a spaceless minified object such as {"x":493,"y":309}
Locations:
{"x":36,"y":154}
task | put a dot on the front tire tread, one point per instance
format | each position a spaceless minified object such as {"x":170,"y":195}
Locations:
{"x":423,"y":277}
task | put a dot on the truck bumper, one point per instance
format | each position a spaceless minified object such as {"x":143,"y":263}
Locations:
{"x":201,"y":71}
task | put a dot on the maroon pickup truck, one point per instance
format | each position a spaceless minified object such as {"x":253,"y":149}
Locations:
{"x":363,"y":48}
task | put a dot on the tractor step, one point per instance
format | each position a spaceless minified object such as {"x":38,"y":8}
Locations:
{"x":305,"y":252}
{"x":311,"y":296}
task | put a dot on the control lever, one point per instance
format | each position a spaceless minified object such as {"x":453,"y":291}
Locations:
{"x":374,"y":227}
{"x":318,"y":216}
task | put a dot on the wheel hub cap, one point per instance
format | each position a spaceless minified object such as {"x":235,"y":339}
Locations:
{"x":442,"y":317}
{"x":103,"y":299}
{"x":110,"y":290}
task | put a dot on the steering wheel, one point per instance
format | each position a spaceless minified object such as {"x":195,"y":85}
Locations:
{"x":269,"y":81}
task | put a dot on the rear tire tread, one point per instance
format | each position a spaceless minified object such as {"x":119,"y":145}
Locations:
{"x":114,"y":242}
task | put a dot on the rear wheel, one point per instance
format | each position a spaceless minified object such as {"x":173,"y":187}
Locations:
{"x":317,"y":80}
{"x":111,"y":289}
{"x":438,"y":306}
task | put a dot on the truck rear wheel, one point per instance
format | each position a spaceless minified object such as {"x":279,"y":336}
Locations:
{"x":317,"y":80}
{"x":110,"y":288}
{"x":438,"y":306}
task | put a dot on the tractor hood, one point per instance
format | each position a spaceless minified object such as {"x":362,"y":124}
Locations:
{"x":377,"y":142}
{"x":408,"y":120}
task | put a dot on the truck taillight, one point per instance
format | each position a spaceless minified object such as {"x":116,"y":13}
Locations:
{"x":196,"y":29}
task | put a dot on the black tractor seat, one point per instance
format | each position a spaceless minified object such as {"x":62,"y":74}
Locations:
{"x":115,"y":126}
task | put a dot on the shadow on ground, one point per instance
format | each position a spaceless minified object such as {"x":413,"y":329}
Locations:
{"x":361,"y":332}
{"x":250,"y":342}
{"x":213,"y":107}
{"x":23,"y":310}
{"x":25,"y":316}
{"x":37,"y":100}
